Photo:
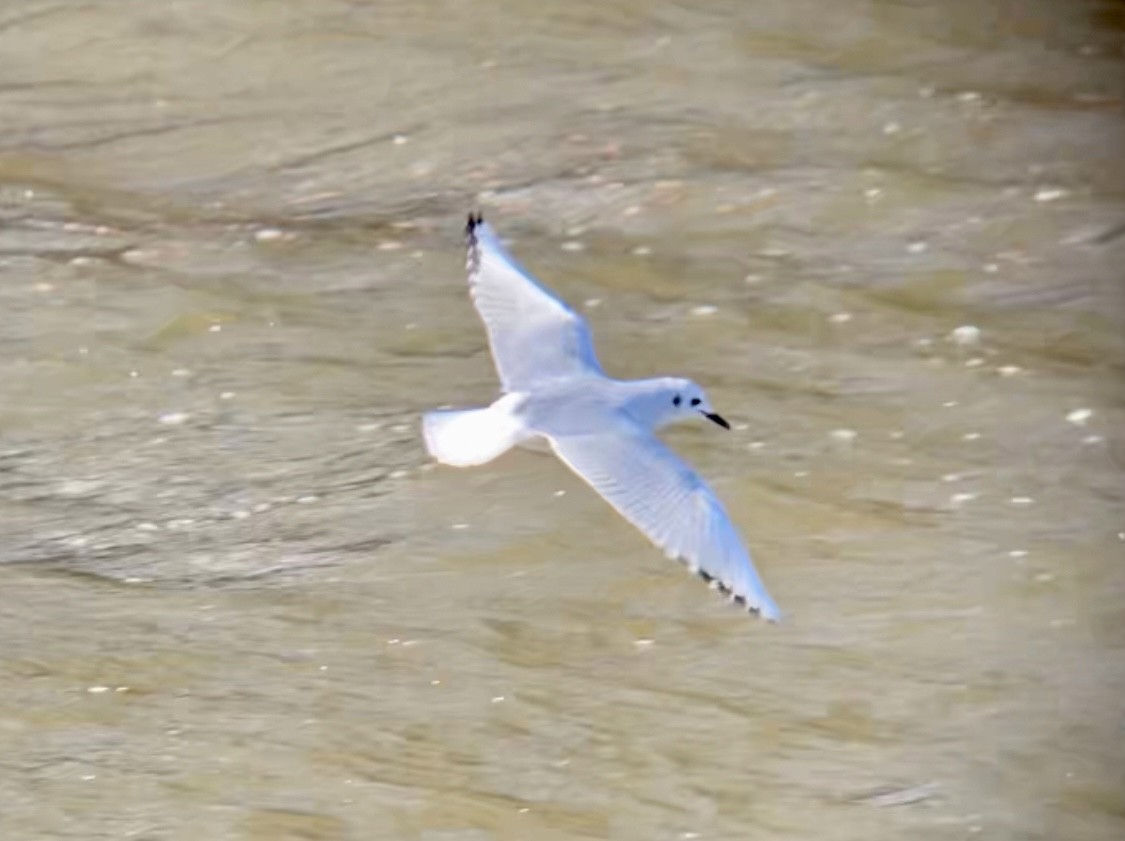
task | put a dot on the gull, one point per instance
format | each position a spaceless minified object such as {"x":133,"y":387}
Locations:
{"x":601,"y":428}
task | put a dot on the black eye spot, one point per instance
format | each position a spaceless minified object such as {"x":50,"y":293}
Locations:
{"x":695,"y":401}
{"x":676,"y":400}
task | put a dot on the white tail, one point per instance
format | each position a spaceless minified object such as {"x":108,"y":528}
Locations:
{"x":466,"y":437}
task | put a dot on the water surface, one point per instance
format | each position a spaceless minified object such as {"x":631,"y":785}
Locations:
{"x":239,"y":604}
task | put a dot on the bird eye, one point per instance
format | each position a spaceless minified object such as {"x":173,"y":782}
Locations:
{"x":695,"y":401}
{"x":676,"y":400}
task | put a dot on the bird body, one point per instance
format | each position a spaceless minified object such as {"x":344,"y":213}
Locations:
{"x":600,"y":427}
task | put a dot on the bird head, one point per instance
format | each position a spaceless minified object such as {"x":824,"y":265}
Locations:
{"x":679,"y":399}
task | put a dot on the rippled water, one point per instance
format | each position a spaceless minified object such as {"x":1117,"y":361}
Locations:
{"x":238,"y":603}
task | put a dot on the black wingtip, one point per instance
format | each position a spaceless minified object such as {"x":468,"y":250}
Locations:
{"x":471,"y":226}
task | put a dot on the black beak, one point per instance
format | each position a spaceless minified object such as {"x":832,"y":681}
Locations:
{"x":711,"y":416}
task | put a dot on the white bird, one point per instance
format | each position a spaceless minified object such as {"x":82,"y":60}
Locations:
{"x":601,"y":428}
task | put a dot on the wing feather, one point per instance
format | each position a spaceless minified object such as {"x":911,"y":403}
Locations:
{"x":652,"y":488}
{"x":534,"y":336}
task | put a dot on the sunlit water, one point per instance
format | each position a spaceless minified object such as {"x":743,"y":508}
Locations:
{"x":237,"y":603}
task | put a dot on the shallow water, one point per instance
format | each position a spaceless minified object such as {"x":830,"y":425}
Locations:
{"x":239,"y":604}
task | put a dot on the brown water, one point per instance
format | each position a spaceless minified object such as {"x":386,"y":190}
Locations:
{"x":236,"y":601}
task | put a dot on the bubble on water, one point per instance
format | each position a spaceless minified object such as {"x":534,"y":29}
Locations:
{"x":892,"y":127}
{"x":398,"y":474}
{"x":949,"y":404}
{"x":642,"y":251}
{"x":1022,"y":500}
{"x":971,"y":436}
{"x":389,"y":245}
{"x":97,"y":690}
{"x":1079,"y":417}
{"x":917,"y":247}
{"x":962,"y":498}
{"x":215,"y":328}
{"x":268,"y":234}
{"x":591,"y":303}
{"x":1093,"y":439}
{"x":559,"y":493}
{"x":78,"y":487}
{"x":459,"y":526}
{"x":952,"y":477}
{"x":1046,"y":194}
{"x":240,"y":514}
{"x":308,"y":499}
{"x":965,"y":335}
{"x":704,"y":310}
{"x":173,"y":418}
{"x":843,"y":436}
{"x":498,"y":699}
{"x":1018,"y":553}
{"x":990,"y":268}
{"x":146,"y":527}
{"x":975,"y":362}
{"x":402,"y":139}
{"x":1009,"y":370}
{"x":968,"y":96}
{"x":572,"y":245}
{"x":631,"y":210}
{"x":226,"y":395}
{"x":840,"y":318}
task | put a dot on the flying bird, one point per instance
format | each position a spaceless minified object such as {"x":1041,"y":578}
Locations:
{"x":601,"y":428}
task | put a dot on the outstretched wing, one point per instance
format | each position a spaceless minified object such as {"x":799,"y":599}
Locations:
{"x":533,"y":335}
{"x":658,"y":493}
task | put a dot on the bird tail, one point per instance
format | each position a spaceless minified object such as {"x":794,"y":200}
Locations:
{"x":467,"y":437}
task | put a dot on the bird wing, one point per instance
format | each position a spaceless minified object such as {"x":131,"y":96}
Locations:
{"x":652,"y":488}
{"x":534,"y":336}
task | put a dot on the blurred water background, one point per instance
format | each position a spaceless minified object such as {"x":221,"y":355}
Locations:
{"x":236,"y":602}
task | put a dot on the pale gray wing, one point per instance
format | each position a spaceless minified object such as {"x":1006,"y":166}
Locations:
{"x":658,"y":493}
{"x":533,"y":335}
